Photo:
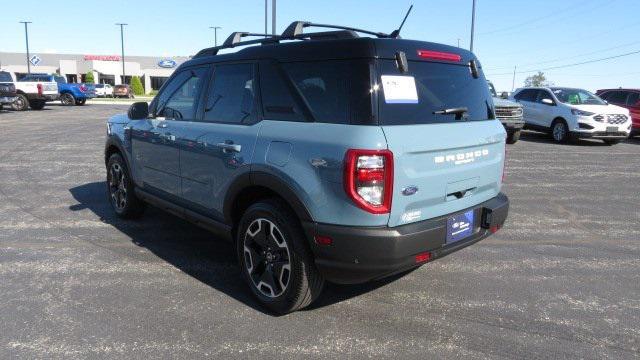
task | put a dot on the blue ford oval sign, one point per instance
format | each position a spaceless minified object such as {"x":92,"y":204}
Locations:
{"x":167,"y":63}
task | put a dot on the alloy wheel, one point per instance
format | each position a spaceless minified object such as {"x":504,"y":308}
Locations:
{"x":67,"y":99}
{"x":118,"y":187}
{"x":559,"y":131}
{"x":267,"y":258}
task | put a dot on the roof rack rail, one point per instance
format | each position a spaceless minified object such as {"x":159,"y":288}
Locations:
{"x":296,"y":29}
{"x":235,"y":39}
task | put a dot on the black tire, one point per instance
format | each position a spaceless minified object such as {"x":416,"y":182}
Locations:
{"x":611,"y":142}
{"x":81,"y":102}
{"x":37,"y":104}
{"x":513,"y":136}
{"x":21,"y":103}
{"x":67,"y":99}
{"x":282,"y":244}
{"x":560,"y":131}
{"x":121,"y":191}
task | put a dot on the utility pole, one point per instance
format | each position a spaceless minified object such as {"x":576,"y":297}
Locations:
{"x":473,"y":24}
{"x":122,"y":25}
{"x":458,"y":42}
{"x":513,"y":82}
{"x":26,"y":37}
{"x":266,"y":16}
{"x":273,"y":17}
{"x":215,"y":34}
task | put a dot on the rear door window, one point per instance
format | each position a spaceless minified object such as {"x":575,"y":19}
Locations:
{"x":232,"y":95}
{"x":414,"y":97}
{"x":527,"y":95}
{"x":617,"y":97}
{"x":633,"y":98}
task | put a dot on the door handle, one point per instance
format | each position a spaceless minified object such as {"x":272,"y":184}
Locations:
{"x":229,"y":147}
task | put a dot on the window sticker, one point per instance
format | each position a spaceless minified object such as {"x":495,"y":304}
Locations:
{"x":399,"y":89}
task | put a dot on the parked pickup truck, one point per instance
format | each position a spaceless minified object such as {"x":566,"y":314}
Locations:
{"x":33,"y":94}
{"x":70,"y":94}
{"x":510,"y":115}
{"x":7,"y":89}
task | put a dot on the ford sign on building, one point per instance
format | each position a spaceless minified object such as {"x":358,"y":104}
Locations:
{"x":167,"y":63}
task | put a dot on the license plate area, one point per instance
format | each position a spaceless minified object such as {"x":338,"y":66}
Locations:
{"x":460,"y":226}
{"x":612,"y":129}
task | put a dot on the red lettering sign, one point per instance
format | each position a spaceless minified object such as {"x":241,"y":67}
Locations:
{"x":102,"y":57}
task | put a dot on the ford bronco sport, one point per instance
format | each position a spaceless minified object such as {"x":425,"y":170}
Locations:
{"x":325,"y":157}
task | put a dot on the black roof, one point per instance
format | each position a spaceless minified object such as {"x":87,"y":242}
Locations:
{"x":330,"y":45}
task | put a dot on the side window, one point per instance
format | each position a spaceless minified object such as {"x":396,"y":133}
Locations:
{"x":231,"y":97}
{"x":543,"y":94}
{"x":278,"y":102}
{"x":180,"y":99}
{"x":617,"y":97}
{"x":527,"y":95}
{"x":633,"y":98}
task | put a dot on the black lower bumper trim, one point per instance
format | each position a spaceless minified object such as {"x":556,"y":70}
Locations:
{"x":620,"y":135}
{"x":361,"y":254}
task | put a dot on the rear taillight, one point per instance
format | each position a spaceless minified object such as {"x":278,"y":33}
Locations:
{"x":39,"y":89}
{"x":368,"y":179}
{"x":439,"y":55}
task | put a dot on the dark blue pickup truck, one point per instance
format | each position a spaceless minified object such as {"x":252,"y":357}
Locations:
{"x":70,"y":94}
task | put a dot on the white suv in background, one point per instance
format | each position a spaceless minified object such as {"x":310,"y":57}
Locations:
{"x":104,"y":90}
{"x":568,"y":113}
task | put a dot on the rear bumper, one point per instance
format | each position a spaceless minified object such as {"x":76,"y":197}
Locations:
{"x":45,"y":97}
{"x":361,"y":254}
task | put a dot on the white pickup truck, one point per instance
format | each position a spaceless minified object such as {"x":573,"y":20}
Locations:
{"x":33,"y":94}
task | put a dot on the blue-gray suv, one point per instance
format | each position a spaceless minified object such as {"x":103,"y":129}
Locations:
{"x":322,"y":156}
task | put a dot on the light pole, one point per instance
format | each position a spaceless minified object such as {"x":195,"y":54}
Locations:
{"x":26,"y":37}
{"x":473,"y":24}
{"x":122,"y":25}
{"x":273,"y":17}
{"x":215,"y":34}
{"x":266,"y":14}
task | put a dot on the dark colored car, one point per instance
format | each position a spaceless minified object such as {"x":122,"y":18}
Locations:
{"x":7,"y":89}
{"x":122,"y":91}
{"x":626,"y":98}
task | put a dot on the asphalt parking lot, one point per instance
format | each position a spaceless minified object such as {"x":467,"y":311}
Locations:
{"x":561,"y":280}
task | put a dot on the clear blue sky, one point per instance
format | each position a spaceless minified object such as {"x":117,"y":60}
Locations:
{"x":530,"y":34}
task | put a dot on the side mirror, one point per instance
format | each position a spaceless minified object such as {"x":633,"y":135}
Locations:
{"x":138,"y":111}
{"x":504,"y":95}
{"x":548,"y":102}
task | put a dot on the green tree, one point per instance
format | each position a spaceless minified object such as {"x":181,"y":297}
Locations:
{"x":537,"y":80}
{"x":136,"y":86}
{"x":88,"y":78}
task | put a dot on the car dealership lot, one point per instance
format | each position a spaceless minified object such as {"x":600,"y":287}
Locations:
{"x":562,"y":279}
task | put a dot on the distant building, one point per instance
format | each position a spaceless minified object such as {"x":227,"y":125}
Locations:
{"x":107,"y":69}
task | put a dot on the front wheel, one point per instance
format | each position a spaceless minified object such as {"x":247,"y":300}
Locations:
{"x":274,"y":258}
{"x":37,"y":104}
{"x":121,"y":191}
{"x":611,"y":142}
{"x":513,"y":136}
{"x":81,"y":102}
{"x":21,"y":103}
{"x":560,"y":131}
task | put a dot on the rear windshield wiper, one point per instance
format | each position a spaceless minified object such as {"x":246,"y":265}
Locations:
{"x":458,"y":112}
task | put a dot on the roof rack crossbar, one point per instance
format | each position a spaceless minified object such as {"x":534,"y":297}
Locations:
{"x":296,"y":28}
{"x":235,"y":39}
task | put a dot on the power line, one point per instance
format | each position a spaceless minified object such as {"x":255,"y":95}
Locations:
{"x":571,"y":65}
{"x":528,"y":21}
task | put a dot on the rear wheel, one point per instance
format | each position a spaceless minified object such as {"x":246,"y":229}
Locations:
{"x":121,"y":190}
{"x":513,"y":136}
{"x":560,"y":131}
{"x":67,"y":99}
{"x":37,"y":104}
{"x":21,"y":103}
{"x":274,"y":258}
{"x":81,"y":102}
{"x":611,"y":142}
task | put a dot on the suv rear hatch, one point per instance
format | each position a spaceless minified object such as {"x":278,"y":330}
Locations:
{"x":445,"y":159}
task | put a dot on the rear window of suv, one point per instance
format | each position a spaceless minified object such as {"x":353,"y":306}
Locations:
{"x":5,"y":77}
{"x":438,"y":86}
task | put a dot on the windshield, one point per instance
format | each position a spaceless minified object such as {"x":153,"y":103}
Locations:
{"x":492,"y":89}
{"x":59,"y":79}
{"x":5,"y":76}
{"x":99,"y":86}
{"x":430,"y":93}
{"x":576,"y":97}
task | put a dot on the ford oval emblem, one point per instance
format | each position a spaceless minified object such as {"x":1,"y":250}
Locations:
{"x":167,"y":63}
{"x":409,"y":190}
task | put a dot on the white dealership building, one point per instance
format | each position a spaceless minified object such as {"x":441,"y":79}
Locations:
{"x":107,"y":69}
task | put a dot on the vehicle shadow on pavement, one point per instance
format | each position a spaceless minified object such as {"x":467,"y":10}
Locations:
{"x":539,"y":137}
{"x":193,"y":250}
